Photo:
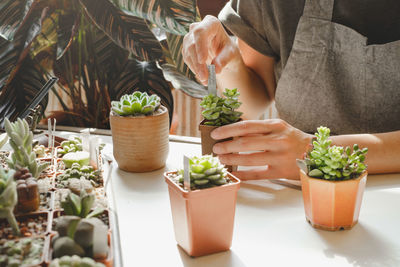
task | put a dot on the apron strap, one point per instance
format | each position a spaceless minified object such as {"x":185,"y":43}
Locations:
{"x":321,"y":9}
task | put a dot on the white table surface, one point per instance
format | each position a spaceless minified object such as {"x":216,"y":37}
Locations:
{"x":270,"y":226}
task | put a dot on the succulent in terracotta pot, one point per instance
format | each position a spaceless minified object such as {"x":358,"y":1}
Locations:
{"x":8,"y":198}
{"x":27,"y":191}
{"x":140,"y":131}
{"x":218,"y":111}
{"x":333,"y":179}
{"x":203,"y":216}
{"x":21,"y":141}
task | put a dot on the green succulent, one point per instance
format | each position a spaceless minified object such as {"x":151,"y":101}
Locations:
{"x":72,"y":145}
{"x":21,"y":142}
{"x":138,"y":103}
{"x":80,"y":205}
{"x":8,"y":198}
{"x":3,"y":139}
{"x":334,"y":162}
{"x":82,"y":237}
{"x":78,"y":171}
{"x":205,"y":171}
{"x":75,"y":261}
{"x":220,"y":111}
{"x":21,"y":252}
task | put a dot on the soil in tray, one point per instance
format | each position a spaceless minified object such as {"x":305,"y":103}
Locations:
{"x":22,"y":252}
{"x":31,"y":225}
{"x":3,"y":157}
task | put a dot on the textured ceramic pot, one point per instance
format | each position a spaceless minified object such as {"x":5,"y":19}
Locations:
{"x":203,"y":219}
{"x":332,"y":205}
{"x":140,"y":144}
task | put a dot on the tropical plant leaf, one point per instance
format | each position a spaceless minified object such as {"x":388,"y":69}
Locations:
{"x":173,"y":16}
{"x":175,"y":48}
{"x":181,"y":82}
{"x":21,"y":90}
{"x":8,"y":58}
{"x":68,"y":24}
{"x":12,"y":14}
{"x":129,"y":32}
{"x":14,"y":52}
{"x":146,"y":77}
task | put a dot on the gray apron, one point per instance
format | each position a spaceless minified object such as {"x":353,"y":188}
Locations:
{"x":333,"y":78}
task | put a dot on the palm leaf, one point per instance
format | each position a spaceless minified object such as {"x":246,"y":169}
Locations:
{"x":21,"y":90}
{"x":175,"y":48}
{"x":129,"y":32}
{"x":145,"y":77}
{"x":12,"y":14}
{"x":14,"y":52}
{"x":173,"y":16}
{"x":181,"y":82}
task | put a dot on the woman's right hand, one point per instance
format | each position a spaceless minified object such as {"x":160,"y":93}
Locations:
{"x":207,"y":42}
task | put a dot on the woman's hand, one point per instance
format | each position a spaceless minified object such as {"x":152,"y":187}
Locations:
{"x":273,"y":144}
{"x":207,"y":42}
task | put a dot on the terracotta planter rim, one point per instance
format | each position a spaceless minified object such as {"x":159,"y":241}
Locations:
{"x":235,"y":183}
{"x":204,"y":120}
{"x":162,"y":108}
{"x":364,"y":173}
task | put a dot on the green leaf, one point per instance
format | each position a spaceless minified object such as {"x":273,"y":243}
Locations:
{"x":129,"y":32}
{"x":22,"y":89}
{"x":173,"y":16}
{"x":136,"y":107}
{"x":181,"y":82}
{"x":315,"y":173}
{"x":12,"y":15}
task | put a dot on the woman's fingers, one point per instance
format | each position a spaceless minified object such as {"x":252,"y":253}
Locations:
{"x":243,"y":144}
{"x":251,"y":159}
{"x":205,"y":42}
{"x":243,"y":128}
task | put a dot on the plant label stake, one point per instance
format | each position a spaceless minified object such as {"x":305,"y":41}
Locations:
{"x":53,"y":149}
{"x":212,"y":80}
{"x":186,"y":174}
{"x":49,"y":133}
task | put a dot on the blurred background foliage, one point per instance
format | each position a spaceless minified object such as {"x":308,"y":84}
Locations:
{"x":99,"y":50}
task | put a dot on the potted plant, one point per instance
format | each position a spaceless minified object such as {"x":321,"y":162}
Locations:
{"x":203,"y":216}
{"x":140,"y":131}
{"x":333,"y":179}
{"x":218,"y":111}
{"x":8,"y":198}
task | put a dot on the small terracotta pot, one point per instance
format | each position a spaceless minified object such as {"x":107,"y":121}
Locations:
{"x":203,"y":219}
{"x":207,"y":142}
{"x":332,"y":205}
{"x":140,"y":144}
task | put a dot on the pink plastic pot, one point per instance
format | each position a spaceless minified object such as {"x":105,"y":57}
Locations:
{"x":203,"y":219}
{"x":332,"y":205}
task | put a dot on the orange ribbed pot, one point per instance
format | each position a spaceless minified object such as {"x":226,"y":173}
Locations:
{"x":140,"y":144}
{"x":332,"y":205}
{"x":203,"y":219}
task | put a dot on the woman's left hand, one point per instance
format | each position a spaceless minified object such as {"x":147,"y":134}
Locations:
{"x":273,"y":144}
